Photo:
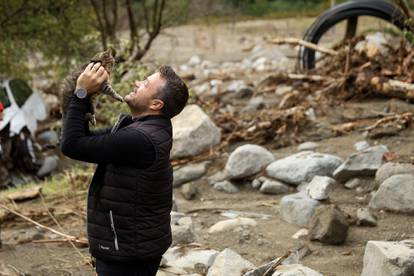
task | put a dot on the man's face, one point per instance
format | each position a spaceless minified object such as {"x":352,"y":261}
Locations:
{"x":141,"y":99}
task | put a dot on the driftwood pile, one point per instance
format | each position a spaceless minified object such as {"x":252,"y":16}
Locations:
{"x":345,"y":73}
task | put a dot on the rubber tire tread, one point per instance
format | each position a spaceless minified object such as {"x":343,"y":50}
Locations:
{"x":375,"y":8}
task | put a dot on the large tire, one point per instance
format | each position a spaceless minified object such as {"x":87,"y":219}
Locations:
{"x":375,"y":8}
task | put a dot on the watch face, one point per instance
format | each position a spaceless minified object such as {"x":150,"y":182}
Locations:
{"x":81,"y":93}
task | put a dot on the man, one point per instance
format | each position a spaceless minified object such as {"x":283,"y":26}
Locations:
{"x":130,"y":195}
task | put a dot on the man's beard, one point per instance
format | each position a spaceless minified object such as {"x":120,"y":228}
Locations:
{"x":138,"y":107}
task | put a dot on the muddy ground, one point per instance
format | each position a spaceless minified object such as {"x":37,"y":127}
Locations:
{"x":272,"y":236}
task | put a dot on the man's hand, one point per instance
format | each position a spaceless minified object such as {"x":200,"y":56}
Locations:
{"x":92,"y":78}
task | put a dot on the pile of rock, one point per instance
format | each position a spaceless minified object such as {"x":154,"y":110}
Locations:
{"x":196,"y":261}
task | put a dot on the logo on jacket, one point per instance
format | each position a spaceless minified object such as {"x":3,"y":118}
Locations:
{"x":103,"y":247}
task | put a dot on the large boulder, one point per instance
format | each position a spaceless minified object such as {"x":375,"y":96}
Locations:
{"x":328,"y":225}
{"x":303,"y":166}
{"x":193,"y":132}
{"x":386,"y":258}
{"x":229,"y":263}
{"x":365,"y":162}
{"x":395,"y":194}
{"x":389,"y":169}
{"x":247,"y":160}
{"x":297,"y":208}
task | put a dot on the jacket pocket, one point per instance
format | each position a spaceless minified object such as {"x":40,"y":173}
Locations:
{"x":113,"y":230}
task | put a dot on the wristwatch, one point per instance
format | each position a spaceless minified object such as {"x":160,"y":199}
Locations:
{"x":81,"y":93}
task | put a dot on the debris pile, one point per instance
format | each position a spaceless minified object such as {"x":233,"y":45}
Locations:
{"x":273,"y":106}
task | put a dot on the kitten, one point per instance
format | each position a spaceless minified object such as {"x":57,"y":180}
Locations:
{"x":68,"y":88}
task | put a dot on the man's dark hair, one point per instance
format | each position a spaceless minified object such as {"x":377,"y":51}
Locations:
{"x":174,"y":93}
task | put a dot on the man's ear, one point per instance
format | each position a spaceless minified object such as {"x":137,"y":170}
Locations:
{"x":156,"y":104}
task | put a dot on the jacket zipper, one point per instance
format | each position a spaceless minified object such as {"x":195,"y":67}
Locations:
{"x":113,"y":230}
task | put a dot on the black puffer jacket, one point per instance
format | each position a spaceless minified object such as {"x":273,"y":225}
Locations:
{"x":129,"y":202}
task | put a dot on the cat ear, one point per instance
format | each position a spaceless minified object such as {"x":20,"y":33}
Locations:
{"x":111,"y":51}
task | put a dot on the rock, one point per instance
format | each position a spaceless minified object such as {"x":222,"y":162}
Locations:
{"x":189,"y":191}
{"x":320,"y":187}
{"x":244,"y":92}
{"x":389,"y":169}
{"x":247,"y":160}
{"x":183,"y":231}
{"x":395,"y":194}
{"x":297,"y":253}
{"x":353,"y":183}
{"x":365,"y":162}
{"x":303,"y":166}
{"x":273,"y":187}
{"x":193,"y":132}
{"x":308,"y":146}
{"x":230,"y":224}
{"x":49,"y":137}
{"x":254,"y":104}
{"x":236,"y":86}
{"x":295,"y":270}
{"x":301,"y":233}
{"x":364,"y":218}
{"x":328,"y":225}
{"x":256,"y":183}
{"x":50,"y":164}
{"x":382,"y":258}
{"x":189,"y":173}
{"x":226,"y":186}
{"x":194,"y":60}
{"x":187,"y":259}
{"x":261,"y":63}
{"x":201,"y":89}
{"x":361,"y":145}
{"x":229,"y":263}
{"x":175,"y":216}
{"x":297,"y":208}
{"x":217,"y":177}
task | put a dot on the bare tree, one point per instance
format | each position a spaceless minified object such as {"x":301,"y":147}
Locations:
{"x":152,"y":19}
{"x":145,"y":19}
{"x":107,"y":20}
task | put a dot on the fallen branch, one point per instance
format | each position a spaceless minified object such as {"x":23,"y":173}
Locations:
{"x":296,"y":41}
{"x":277,"y":263}
{"x":393,"y":88}
{"x":82,"y":244}
{"x":404,"y":117}
{"x":69,"y":237}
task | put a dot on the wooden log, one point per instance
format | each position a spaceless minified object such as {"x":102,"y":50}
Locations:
{"x":393,"y":88}
{"x":296,"y":41}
